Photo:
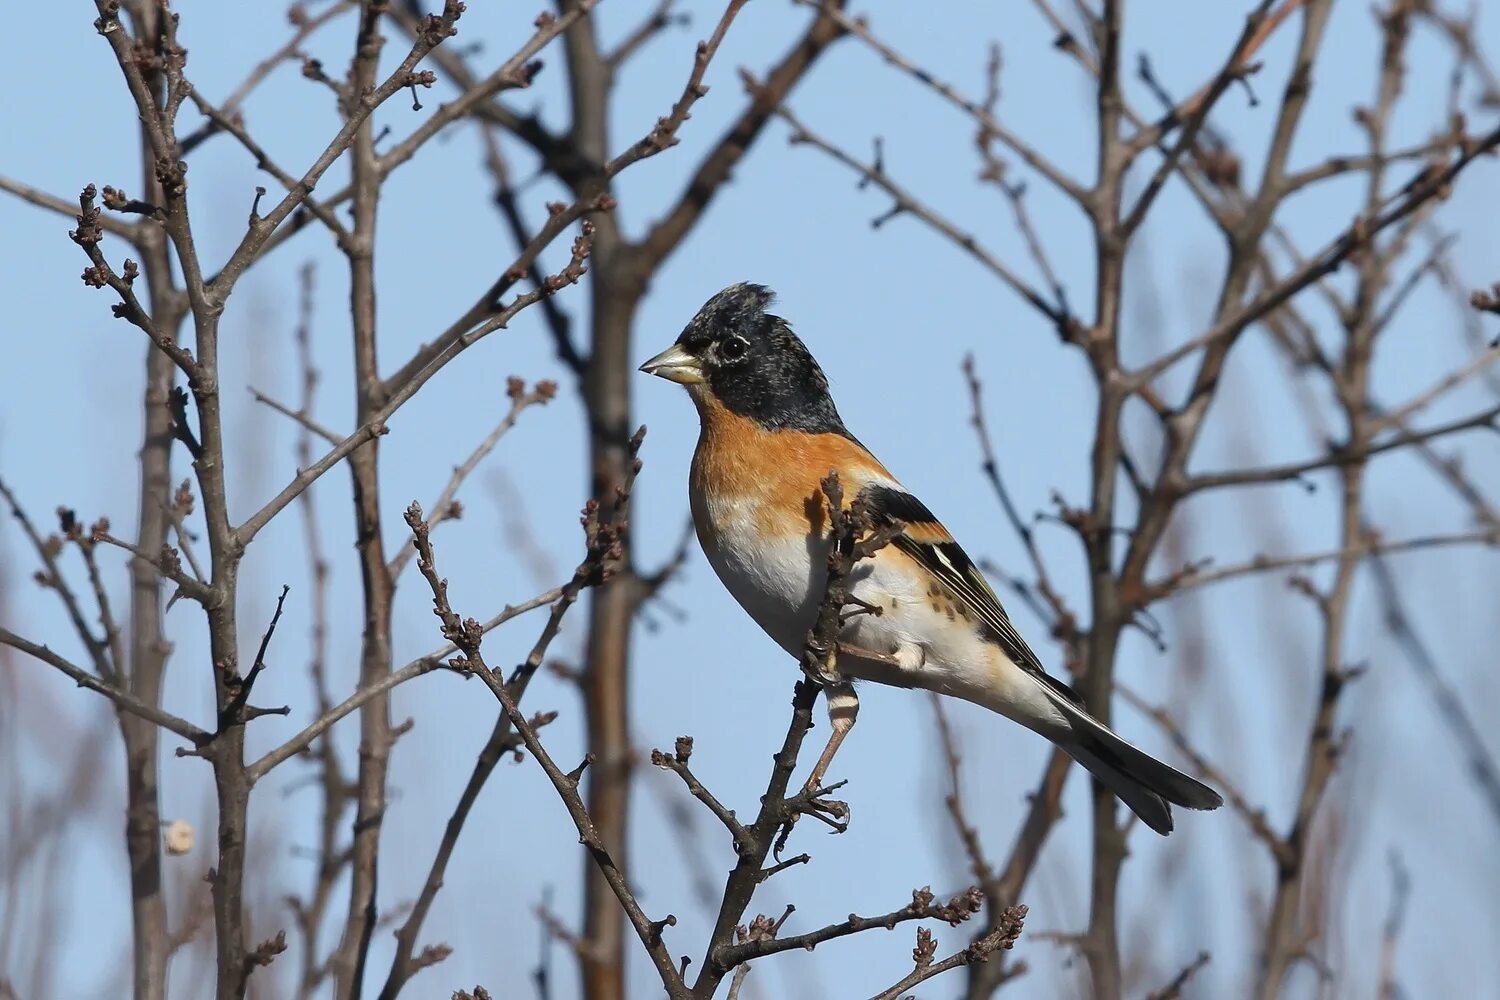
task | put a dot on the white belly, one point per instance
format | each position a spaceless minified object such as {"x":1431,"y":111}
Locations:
{"x":781,"y":583}
{"x":771,"y":582}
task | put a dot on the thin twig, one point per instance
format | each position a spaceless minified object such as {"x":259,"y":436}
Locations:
{"x":446,"y":506}
{"x":124,"y":699}
{"x":1195,"y":575}
{"x":466,"y":635}
{"x":907,"y":203}
{"x":416,"y":668}
{"x":1002,"y":938}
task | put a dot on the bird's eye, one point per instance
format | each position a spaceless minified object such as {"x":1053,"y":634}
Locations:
{"x":734,"y":349}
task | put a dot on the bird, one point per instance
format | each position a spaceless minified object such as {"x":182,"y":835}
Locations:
{"x":769,"y":433}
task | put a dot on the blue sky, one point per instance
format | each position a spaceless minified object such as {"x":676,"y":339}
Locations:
{"x":890,"y":313}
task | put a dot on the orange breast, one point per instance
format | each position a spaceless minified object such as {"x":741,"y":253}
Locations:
{"x":773,"y":476}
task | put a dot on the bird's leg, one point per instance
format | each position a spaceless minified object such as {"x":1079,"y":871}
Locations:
{"x":843,"y":709}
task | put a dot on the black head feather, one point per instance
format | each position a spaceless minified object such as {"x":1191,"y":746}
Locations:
{"x":756,"y":366}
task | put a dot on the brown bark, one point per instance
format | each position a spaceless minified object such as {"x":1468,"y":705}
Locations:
{"x":148,"y":648}
{"x":375,"y":580}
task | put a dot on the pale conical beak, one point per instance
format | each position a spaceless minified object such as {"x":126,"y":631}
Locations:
{"x":675,"y":365}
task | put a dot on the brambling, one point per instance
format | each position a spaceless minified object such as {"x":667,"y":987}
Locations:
{"x":769,"y":434}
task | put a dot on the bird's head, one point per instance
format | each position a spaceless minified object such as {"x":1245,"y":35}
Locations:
{"x":735,"y":353}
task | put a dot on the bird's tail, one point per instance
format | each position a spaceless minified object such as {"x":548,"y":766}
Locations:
{"x":1149,"y":787}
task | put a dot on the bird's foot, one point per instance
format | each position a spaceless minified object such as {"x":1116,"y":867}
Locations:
{"x":822,"y":671}
{"x":813,"y":801}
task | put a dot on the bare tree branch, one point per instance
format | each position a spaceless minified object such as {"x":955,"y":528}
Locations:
{"x":124,"y":699}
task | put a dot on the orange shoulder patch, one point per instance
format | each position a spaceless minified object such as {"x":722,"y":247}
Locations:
{"x":928,"y":533}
